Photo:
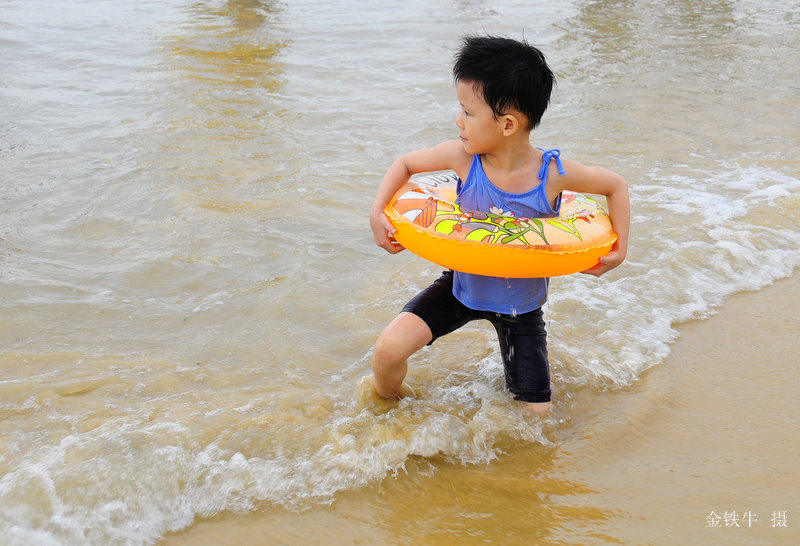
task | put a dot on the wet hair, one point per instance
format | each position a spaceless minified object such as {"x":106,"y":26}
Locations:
{"x":510,"y":73}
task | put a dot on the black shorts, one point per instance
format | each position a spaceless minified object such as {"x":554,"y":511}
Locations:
{"x":523,"y":339}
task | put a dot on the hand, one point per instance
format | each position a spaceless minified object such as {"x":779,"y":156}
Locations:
{"x":383,"y":230}
{"x":606,"y":263}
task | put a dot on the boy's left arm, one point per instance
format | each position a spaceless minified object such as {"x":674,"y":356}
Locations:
{"x":600,"y":181}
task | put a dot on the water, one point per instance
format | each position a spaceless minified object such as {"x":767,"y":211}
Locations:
{"x":189,"y":286}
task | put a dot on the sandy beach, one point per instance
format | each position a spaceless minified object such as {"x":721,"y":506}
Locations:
{"x":701,"y":450}
{"x":720,"y":438}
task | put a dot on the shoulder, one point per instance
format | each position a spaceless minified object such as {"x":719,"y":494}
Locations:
{"x":587,"y":178}
{"x":452,"y":151}
{"x":574,"y":170}
{"x":447,"y":155}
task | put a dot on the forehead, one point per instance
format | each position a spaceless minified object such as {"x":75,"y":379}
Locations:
{"x":470,"y":92}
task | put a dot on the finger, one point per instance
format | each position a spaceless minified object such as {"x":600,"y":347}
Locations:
{"x":596,"y":270}
{"x":387,"y":224}
{"x":389,"y":244}
{"x":395,"y":246}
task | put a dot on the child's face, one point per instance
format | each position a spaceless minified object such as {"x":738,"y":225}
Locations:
{"x":479,"y":129}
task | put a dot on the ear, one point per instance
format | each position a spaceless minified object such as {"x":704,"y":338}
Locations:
{"x":510,"y":124}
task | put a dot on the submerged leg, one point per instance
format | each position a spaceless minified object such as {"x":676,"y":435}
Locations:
{"x":404,"y":336}
{"x":537,"y":408}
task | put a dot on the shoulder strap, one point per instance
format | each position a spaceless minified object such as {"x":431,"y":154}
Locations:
{"x":476,"y":164}
{"x":548,"y":156}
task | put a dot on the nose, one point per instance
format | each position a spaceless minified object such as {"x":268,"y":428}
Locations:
{"x":460,"y":120}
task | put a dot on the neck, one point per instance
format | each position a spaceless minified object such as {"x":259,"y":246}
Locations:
{"x":517,"y":154}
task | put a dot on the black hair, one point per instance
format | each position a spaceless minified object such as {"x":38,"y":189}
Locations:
{"x":511,"y":74}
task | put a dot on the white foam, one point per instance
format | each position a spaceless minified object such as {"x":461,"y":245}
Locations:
{"x":692,"y":249}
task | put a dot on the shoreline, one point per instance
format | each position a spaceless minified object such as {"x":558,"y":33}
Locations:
{"x":710,"y":430}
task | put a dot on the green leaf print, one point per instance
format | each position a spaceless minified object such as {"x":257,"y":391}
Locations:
{"x":479,"y":234}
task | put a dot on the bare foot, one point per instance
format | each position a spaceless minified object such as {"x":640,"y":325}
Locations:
{"x":365,"y":390}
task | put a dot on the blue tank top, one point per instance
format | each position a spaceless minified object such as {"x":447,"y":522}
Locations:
{"x":477,"y":193}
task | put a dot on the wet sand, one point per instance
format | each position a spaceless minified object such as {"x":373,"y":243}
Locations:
{"x":713,"y":429}
{"x":702,"y":450}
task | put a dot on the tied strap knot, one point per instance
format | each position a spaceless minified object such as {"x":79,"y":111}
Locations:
{"x":548,"y":156}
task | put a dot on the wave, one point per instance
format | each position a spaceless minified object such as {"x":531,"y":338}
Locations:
{"x":695,"y":241}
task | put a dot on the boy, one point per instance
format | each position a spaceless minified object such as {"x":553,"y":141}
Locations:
{"x":503,"y":86}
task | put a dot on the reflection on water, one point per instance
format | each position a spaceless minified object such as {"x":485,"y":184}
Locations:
{"x":230,"y":46}
{"x":224,"y":119}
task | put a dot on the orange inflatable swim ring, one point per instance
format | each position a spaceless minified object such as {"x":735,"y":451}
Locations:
{"x":430,"y":224}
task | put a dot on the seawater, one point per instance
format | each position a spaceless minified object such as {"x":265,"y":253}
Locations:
{"x":188,"y":282}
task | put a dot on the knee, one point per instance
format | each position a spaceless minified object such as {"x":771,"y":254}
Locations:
{"x":387,"y":353}
{"x":404,"y":336}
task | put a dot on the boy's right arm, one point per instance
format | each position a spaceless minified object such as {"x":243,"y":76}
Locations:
{"x":382,"y":228}
{"x":445,"y":156}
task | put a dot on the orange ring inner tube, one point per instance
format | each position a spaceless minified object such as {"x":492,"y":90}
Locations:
{"x":430,"y":224}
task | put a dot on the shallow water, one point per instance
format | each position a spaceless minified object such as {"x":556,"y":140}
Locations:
{"x":189,"y":285}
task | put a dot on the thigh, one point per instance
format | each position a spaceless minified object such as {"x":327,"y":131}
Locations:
{"x":437,"y":307}
{"x":523,"y":345}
